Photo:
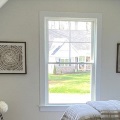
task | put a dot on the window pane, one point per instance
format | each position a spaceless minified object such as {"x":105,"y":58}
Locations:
{"x":58,"y":35}
{"x":69,"y":84}
{"x":70,"y":51}
{"x":68,"y":31}
{"x":73,"y":26}
{"x":80,"y":36}
{"x":82,"y":59}
{"x":59,"y":50}
{"x":51,"y":25}
{"x":64,"y":25}
{"x":82,"y":48}
{"x":81,"y":26}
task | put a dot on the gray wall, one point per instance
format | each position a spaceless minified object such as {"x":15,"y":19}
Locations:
{"x":19,"y":21}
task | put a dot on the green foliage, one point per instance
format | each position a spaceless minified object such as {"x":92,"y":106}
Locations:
{"x":54,"y":70}
{"x":70,"y":83}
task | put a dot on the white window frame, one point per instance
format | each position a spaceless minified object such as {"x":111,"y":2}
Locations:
{"x":43,"y":105}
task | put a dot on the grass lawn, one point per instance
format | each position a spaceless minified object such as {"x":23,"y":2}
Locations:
{"x":69,"y":83}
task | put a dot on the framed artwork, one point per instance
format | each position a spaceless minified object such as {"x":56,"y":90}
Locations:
{"x":118,"y":59}
{"x":12,"y":57}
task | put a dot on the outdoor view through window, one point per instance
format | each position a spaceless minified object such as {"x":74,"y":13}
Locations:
{"x":69,"y":61}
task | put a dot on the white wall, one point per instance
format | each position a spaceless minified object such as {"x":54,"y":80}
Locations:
{"x":19,"y":21}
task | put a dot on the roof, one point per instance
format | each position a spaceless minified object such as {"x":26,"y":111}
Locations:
{"x":77,"y":37}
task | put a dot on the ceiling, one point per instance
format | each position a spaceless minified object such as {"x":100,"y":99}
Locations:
{"x":2,"y":2}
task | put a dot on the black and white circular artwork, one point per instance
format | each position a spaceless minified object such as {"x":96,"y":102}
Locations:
{"x":11,"y":58}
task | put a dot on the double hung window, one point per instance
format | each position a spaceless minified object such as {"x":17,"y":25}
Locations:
{"x":68,"y":58}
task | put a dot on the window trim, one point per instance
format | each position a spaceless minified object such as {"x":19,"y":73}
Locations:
{"x":43,"y":15}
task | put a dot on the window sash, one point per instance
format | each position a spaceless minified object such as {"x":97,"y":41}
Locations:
{"x":68,"y":63}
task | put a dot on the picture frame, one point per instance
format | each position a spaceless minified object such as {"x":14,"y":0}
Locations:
{"x":118,"y":59}
{"x":12,"y":57}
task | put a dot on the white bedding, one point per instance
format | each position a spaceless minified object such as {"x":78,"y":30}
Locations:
{"x":107,"y":109}
{"x":94,"y":110}
{"x":81,"y":112}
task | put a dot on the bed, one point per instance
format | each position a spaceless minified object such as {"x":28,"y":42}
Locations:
{"x":93,"y":110}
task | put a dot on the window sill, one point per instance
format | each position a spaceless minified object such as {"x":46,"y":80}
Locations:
{"x":49,"y":108}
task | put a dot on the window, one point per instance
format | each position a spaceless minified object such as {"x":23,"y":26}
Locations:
{"x":66,"y":80}
{"x":69,"y":58}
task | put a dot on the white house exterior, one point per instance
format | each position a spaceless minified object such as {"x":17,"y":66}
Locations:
{"x":69,"y":46}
